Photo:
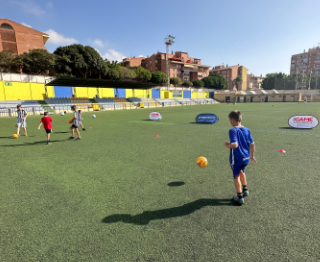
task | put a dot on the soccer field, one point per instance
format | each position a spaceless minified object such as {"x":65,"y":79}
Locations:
{"x":112,"y":197}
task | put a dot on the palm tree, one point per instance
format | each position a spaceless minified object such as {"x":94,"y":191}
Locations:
{"x":238,"y":82}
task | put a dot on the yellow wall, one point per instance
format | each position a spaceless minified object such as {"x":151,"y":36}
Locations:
{"x":18,"y":91}
{"x":2,"y":94}
{"x":50,"y":91}
{"x":205,"y":94}
{"x":194,"y":95}
{"x":244,"y":78}
{"x":37,"y":91}
{"x":92,"y":92}
{"x":129,"y":93}
{"x":81,"y":92}
{"x":106,"y":92}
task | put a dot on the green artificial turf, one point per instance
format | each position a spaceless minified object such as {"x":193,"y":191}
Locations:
{"x":122,"y":194}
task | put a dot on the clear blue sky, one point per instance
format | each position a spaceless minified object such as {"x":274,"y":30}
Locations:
{"x":261,"y":35}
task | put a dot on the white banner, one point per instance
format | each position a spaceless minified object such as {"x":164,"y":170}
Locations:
{"x":155,"y":116}
{"x":303,"y":121}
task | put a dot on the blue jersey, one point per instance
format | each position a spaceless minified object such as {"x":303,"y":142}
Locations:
{"x":242,"y":137}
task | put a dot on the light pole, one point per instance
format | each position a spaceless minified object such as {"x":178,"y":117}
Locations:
{"x":169,"y":40}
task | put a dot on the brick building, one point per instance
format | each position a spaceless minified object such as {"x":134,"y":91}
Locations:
{"x":181,"y":65}
{"x":230,"y":73}
{"x":306,"y":62}
{"x":20,"y":38}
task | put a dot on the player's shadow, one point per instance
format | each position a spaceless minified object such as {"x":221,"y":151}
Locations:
{"x":35,"y":143}
{"x":65,"y":132}
{"x":147,"y":216}
{"x":176,"y":183}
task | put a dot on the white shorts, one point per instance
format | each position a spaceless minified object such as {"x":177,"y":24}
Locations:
{"x":22,"y":124}
{"x":79,"y":123}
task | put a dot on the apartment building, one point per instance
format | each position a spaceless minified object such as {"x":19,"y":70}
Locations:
{"x":254,"y":82}
{"x":306,"y":62}
{"x":19,"y":38}
{"x":230,"y":73}
{"x":181,"y":65}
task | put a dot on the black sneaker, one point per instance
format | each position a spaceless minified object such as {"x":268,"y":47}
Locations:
{"x":83,"y":129}
{"x":71,"y":137}
{"x":49,"y":143}
{"x":79,"y":138}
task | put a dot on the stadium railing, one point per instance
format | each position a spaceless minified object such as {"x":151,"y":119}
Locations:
{"x":12,"y":112}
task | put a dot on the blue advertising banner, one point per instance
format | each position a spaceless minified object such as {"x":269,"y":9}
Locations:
{"x":207,"y":118}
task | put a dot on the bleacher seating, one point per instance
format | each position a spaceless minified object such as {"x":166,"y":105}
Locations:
{"x":168,"y":102}
{"x":186,"y":101}
{"x":116,"y":103}
{"x":205,"y":101}
{"x":148,"y":102}
{"x":65,"y":103}
{"x":31,"y":107}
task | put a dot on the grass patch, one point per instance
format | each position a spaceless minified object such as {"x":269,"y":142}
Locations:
{"x":120,"y":194}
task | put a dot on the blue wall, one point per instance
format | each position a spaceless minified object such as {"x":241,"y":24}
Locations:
{"x":121,"y":92}
{"x":186,"y":94}
{"x":211,"y":94}
{"x":156,"y":93}
{"x":62,"y":91}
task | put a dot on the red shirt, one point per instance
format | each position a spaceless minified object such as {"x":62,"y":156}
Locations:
{"x":46,"y":122}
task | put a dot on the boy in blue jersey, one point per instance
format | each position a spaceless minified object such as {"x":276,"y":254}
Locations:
{"x":242,"y":150}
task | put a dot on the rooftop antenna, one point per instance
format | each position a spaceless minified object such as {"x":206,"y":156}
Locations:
{"x":169,"y":40}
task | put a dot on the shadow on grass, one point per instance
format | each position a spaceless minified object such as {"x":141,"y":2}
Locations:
{"x":291,"y":128}
{"x":145,"y":217}
{"x":177,"y":183}
{"x":36,"y":143}
{"x":60,"y":132}
{"x":200,"y":123}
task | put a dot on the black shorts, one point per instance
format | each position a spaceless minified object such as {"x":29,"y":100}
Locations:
{"x":74,"y":126}
{"x":48,"y":131}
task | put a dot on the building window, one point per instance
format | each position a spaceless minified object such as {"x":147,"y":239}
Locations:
{"x":173,"y":66}
{"x":150,"y":62}
{"x":156,"y":68}
{"x":156,"y":61}
{"x":8,"y":37}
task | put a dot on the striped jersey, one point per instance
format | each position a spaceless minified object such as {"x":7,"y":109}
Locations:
{"x":241,"y":136}
{"x":76,"y":118}
{"x":21,"y":115}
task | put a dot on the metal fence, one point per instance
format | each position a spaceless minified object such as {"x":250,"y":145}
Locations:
{"x":12,"y":112}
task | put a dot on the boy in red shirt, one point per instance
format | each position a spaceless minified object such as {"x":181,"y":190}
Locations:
{"x":46,"y":120}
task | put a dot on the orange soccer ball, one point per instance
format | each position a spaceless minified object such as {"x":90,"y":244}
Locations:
{"x":70,"y":120}
{"x":202,"y":161}
{"x":14,"y":136}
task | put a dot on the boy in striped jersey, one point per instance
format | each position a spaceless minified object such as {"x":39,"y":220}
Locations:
{"x":21,"y":120}
{"x":242,"y":150}
{"x":75,"y":123}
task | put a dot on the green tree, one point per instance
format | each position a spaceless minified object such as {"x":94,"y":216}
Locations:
{"x":175,"y":81}
{"x":6,"y":61}
{"x":37,"y":62}
{"x":187,"y":84}
{"x":238,"y":81}
{"x":126,"y":73}
{"x":274,"y":81}
{"x":198,"y":83}
{"x":159,"y":77}
{"x":80,"y":61}
{"x":215,"y":81}
{"x":143,"y":75}
{"x":113,"y":69}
